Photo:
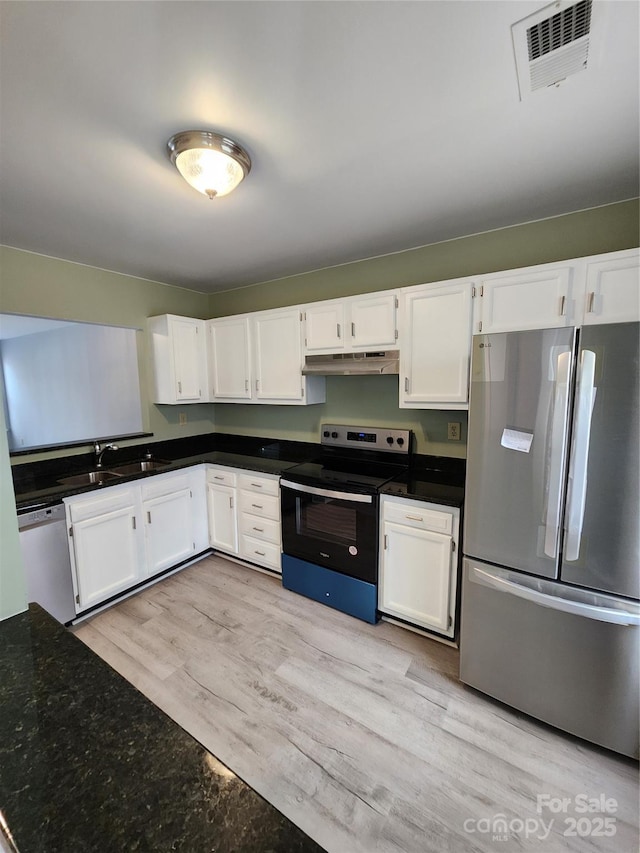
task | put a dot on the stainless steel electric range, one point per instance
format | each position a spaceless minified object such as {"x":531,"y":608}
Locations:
{"x":330,"y":516}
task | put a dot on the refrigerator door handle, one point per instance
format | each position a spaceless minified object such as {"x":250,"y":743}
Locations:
{"x":566,"y":605}
{"x":577,"y":486}
{"x":557,"y":451}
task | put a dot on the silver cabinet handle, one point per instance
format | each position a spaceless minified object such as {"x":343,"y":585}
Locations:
{"x":258,"y":529}
{"x":261,"y":553}
{"x":217,"y":477}
{"x":414,"y":517}
{"x":257,"y":485}
{"x":230,"y":502}
{"x":353,"y":330}
{"x":591,"y":298}
{"x":563,"y":300}
{"x":338,"y":329}
{"x":257,"y":384}
{"x":257,"y":506}
{"x":246,"y":384}
{"x":148,"y":518}
{"x":406,"y":384}
{"x":133,"y":522}
{"x":179,"y":387}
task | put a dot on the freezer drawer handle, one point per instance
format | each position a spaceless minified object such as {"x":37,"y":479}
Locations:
{"x":590,"y":611}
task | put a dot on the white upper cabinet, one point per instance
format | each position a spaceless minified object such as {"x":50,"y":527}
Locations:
{"x":612,"y":288}
{"x":436,"y":345}
{"x":596,"y":289}
{"x":277,"y":337}
{"x":325,"y":326}
{"x":257,"y":358}
{"x":534,"y":298}
{"x":229,"y":357}
{"x":354,"y":324}
{"x":179,"y":354}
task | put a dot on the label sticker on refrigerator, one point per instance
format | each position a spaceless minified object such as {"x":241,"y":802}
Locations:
{"x":515,"y":439}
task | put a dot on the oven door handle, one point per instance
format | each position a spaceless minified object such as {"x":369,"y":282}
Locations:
{"x":327,"y":493}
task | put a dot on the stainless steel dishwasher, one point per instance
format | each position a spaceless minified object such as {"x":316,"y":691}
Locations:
{"x":45,"y":556}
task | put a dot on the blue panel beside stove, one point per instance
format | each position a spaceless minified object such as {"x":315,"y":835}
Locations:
{"x":349,"y":595}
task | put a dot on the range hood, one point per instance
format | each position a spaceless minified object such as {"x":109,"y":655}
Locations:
{"x":352,"y":364}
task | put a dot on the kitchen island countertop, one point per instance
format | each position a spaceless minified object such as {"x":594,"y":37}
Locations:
{"x":87,"y":763}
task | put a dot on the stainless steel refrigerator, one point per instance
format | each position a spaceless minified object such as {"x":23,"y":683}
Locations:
{"x":550,"y":614}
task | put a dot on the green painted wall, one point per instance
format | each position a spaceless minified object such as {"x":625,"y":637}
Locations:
{"x":49,"y":287}
{"x":588,"y":232}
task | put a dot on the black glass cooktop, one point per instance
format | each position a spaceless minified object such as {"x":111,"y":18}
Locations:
{"x":344,"y":473}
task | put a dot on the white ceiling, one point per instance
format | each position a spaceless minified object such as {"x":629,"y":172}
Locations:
{"x":372,"y":126}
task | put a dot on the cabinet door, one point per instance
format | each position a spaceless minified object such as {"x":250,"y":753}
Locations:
{"x":325,"y":327}
{"x":373,"y":322}
{"x":434,"y":359}
{"x":415,"y":578}
{"x":278,"y":353}
{"x":230,"y":359}
{"x":613,"y":289}
{"x":106,"y":555}
{"x":168,"y":530}
{"x":530,"y":299}
{"x":188,"y":356}
{"x":223,"y":518}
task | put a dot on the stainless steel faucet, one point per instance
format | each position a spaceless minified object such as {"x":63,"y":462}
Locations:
{"x":99,"y":451}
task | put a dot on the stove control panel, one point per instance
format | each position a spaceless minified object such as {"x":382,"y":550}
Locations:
{"x":366,"y":438}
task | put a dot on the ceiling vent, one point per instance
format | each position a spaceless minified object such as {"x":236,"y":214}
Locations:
{"x":552,"y":44}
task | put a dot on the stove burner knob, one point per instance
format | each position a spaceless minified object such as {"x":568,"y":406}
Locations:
{"x":400,"y":441}
{"x":326,"y":433}
{"x":389,"y":439}
{"x":334,"y":435}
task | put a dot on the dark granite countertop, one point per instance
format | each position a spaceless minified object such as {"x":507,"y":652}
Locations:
{"x":433,"y":479}
{"x":88,"y":764}
{"x":436,"y":479}
{"x":37,"y":485}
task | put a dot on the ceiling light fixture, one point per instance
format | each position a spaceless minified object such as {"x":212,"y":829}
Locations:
{"x":213,"y":164}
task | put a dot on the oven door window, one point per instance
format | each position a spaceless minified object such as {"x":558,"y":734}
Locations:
{"x":328,"y":520}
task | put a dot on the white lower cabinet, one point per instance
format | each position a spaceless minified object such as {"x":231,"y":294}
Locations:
{"x":106,"y":544}
{"x":244,"y":515}
{"x":260,"y":531}
{"x":419,"y":563}
{"x":121,"y":535}
{"x":222,"y":507}
{"x":171,"y":504}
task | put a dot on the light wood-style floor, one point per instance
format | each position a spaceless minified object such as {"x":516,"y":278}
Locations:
{"x":362,"y":735}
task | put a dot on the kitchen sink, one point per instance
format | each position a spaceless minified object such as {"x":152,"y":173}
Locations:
{"x":139,"y":467}
{"x":90,"y":478}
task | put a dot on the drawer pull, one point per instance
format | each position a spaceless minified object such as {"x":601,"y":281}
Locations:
{"x":257,"y":485}
{"x":257,"y":506}
{"x":217,"y":477}
{"x":260,"y":553}
{"x":414,"y":517}
{"x":258,"y":529}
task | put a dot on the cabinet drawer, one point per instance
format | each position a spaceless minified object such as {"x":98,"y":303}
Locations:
{"x":265,"y":529}
{"x":265,"y":506}
{"x":258,"y":483}
{"x":87,"y":507}
{"x":263,"y":553}
{"x":221,"y":476}
{"x":424,"y":519}
{"x":164,"y":484}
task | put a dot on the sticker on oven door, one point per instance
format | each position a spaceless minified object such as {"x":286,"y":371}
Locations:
{"x":353,"y":550}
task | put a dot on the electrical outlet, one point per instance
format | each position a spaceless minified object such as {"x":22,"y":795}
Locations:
{"x":453,"y":432}
{"x":183,"y":418}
